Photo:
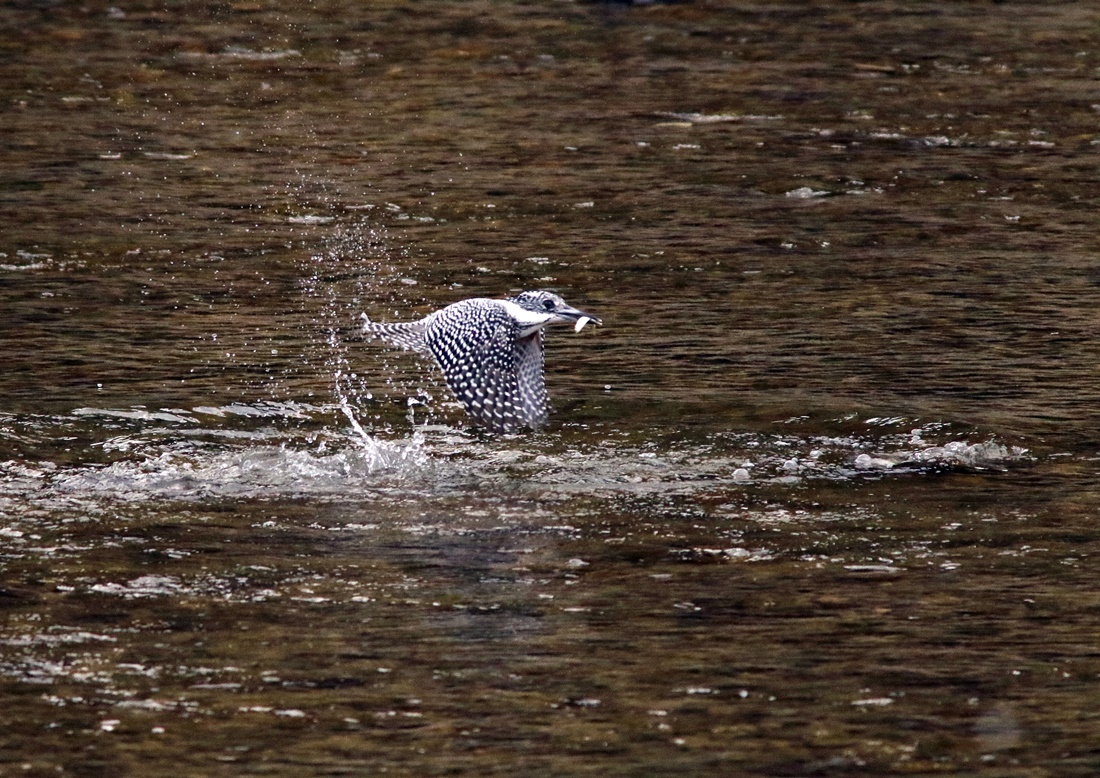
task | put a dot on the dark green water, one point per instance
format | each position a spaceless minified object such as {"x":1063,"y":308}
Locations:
{"x":819,"y":498}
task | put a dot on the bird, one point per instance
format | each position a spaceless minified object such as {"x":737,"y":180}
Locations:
{"x":491,"y":353}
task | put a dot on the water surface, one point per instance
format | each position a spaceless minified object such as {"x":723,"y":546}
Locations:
{"x":819,"y":498}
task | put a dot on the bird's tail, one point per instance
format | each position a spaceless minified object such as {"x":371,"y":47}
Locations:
{"x":407,"y":335}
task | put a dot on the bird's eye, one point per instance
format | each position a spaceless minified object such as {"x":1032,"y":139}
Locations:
{"x":548,"y":305}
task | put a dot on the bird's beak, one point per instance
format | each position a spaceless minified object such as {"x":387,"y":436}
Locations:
{"x":575,"y":317}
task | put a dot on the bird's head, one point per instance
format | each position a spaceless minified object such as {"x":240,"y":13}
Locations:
{"x":550,"y":305}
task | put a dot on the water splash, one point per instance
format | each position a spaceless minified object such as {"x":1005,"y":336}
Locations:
{"x":357,"y":267}
{"x":255,"y":472}
{"x":340,"y":447}
{"x":256,"y":451}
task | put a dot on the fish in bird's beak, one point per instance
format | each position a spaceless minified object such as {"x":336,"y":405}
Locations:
{"x":577,"y":318}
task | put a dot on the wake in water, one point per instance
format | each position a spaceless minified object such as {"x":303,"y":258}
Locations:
{"x":287,"y":450}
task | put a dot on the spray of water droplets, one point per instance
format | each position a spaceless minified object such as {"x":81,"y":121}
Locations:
{"x":357,"y":268}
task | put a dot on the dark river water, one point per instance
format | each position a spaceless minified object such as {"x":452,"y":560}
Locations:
{"x":820,"y":497}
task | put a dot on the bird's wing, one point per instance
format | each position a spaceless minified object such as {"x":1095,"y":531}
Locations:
{"x":497,"y":378}
{"x":530,"y":362}
{"x":407,"y":335}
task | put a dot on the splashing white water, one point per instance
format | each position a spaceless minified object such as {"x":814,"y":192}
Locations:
{"x":356,"y":269}
{"x":259,"y":472}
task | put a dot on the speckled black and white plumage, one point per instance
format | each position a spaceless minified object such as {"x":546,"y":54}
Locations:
{"x":491,"y":353}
